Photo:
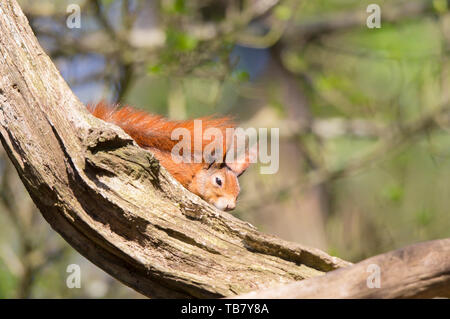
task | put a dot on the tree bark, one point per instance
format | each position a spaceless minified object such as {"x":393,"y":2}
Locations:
{"x":417,"y":271}
{"x":113,"y":202}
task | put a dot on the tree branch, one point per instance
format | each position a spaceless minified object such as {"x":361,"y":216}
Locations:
{"x":112,"y":201}
{"x":417,"y":271}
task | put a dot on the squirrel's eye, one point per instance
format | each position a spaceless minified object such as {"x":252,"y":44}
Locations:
{"x":218,"y":181}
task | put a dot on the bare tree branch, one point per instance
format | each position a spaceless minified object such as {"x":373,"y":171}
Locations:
{"x":417,"y":271}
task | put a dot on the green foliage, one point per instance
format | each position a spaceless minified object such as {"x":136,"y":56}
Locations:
{"x":424,"y":217}
{"x":241,"y":76}
{"x":7,"y":282}
{"x":395,"y":193}
{"x":155,"y":69}
{"x":441,"y":6}
{"x":283,"y":12}
{"x":175,"y":7}
{"x":180,"y":41}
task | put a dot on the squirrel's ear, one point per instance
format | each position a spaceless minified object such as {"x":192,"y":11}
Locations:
{"x":243,"y":161}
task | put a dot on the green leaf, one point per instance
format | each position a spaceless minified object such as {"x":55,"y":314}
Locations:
{"x":180,"y":41}
{"x":440,"y":6}
{"x":424,"y":217}
{"x":155,"y":69}
{"x":394,"y":193}
{"x":283,"y":12}
{"x":179,"y":6}
{"x":241,"y":76}
{"x":175,"y":7}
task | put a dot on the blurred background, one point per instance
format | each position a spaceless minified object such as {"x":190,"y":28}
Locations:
{"x":363,"y":116}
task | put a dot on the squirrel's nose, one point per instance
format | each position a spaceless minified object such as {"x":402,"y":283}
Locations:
{"x":225,"y":203}
{"x":230,"y":207}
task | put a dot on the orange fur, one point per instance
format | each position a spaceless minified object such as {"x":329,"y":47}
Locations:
{"x":153,"y":132}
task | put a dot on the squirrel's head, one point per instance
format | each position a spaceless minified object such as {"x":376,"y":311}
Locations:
{"x":218,"y":184}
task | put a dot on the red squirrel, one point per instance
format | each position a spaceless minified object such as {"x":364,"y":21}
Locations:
{"x":215,"y":182}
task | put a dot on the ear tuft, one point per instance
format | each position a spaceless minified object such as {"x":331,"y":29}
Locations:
{"x":243,"y":161}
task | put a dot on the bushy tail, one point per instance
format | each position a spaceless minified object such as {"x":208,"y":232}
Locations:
{"x":154,"y":131}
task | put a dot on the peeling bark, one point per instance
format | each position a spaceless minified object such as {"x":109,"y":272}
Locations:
{"x":417,"y":271}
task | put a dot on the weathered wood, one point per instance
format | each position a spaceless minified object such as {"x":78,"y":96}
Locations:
{"x":112,"y":201}
{"x":417,"y":271}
